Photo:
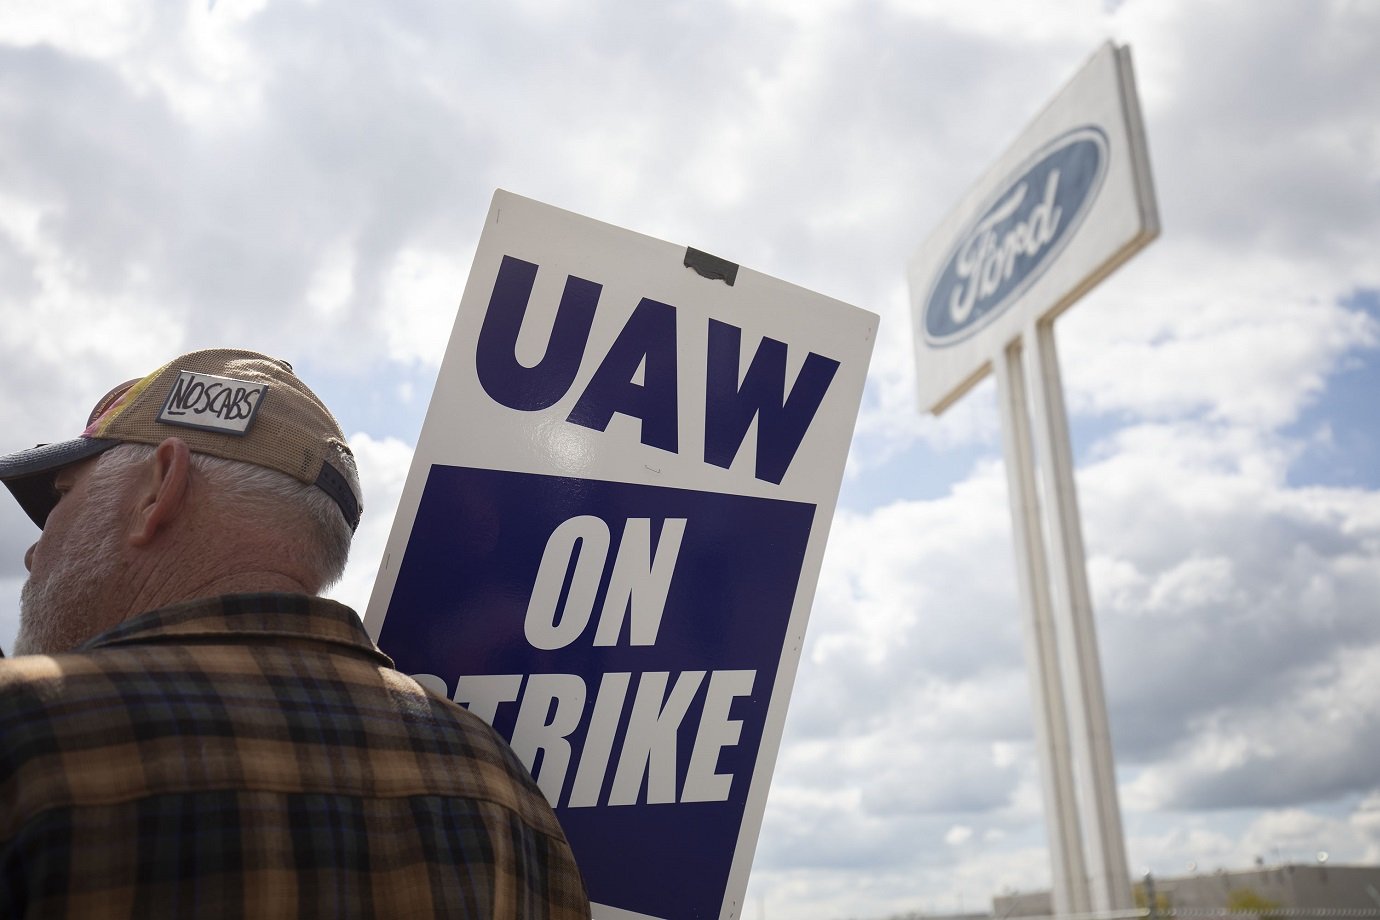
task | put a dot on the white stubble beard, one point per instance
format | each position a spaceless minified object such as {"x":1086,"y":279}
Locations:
{"x":66,"y":605}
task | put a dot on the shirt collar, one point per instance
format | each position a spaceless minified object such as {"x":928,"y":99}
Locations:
{"x":234,"y":618}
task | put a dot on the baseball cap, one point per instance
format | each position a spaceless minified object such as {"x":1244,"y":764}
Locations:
{"x":238,"y":405}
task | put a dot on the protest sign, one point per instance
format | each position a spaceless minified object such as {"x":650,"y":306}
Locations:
{"x":610,"y":535}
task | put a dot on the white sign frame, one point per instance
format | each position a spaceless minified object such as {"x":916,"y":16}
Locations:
{"x":466,"y":427}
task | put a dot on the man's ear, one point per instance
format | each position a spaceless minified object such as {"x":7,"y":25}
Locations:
{"x":161,"y":491}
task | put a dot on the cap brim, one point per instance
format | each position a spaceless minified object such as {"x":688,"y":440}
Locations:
{"x":29,"y":473}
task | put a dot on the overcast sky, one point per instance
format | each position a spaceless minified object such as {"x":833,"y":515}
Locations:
{"x":309,"y":179}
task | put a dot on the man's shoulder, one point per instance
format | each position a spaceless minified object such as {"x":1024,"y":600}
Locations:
{"x":451,"y":733}
{"x":333,"y":722}
{"x":38,"y":681}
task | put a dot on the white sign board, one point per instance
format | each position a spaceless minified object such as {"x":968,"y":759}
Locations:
{"x":1064,"y":206}
{"x":609,"y":539}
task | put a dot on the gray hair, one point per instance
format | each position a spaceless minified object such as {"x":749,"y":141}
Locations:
{"x":267,"y":497}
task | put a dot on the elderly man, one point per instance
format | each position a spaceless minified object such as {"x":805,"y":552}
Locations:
{"x":190,"y":731}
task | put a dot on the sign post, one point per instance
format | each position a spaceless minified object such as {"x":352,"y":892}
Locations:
{"x":1068,"y":203}
{"x":609,"y":539}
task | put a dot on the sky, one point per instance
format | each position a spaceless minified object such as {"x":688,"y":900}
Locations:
{"x":309,"y":179}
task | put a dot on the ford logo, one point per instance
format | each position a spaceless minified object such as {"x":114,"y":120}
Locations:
{"x":1018,"y":236}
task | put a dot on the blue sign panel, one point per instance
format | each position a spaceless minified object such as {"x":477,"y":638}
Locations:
{"x":1017,"y":237}
{"x":626,"y":639}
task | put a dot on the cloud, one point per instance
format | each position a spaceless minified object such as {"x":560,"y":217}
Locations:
{"x":1277,"y":126}
{"x":1235,"y":619}
{"x":421,"y":293}
{"x":1222,"y":590}
{"x":1316,"y":743}
{"x":1249,"y":342}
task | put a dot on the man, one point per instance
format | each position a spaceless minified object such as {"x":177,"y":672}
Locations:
{"x":190,"y":731}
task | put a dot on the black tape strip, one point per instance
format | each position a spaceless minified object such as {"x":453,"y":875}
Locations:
{"x":711,"y":267}
{"x":333,"y":483}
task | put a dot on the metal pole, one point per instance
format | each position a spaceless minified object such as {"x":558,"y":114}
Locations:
{"x":1077,"y":635}
{"x":1068,"y":871}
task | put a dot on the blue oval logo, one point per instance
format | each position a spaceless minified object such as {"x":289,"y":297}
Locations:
{"x":1018,"y":235}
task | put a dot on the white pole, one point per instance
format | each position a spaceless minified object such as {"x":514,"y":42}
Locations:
{"x":1067,"y":868}
{"x":1077,"y":635}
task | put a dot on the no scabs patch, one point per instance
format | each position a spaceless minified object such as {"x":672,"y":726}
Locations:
{"x":212,"y":403}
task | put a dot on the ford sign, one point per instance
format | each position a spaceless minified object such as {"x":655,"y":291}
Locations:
{"x":1018,"y":236}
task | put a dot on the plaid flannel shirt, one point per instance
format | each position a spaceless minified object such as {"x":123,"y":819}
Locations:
{"x":257,"y":756}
